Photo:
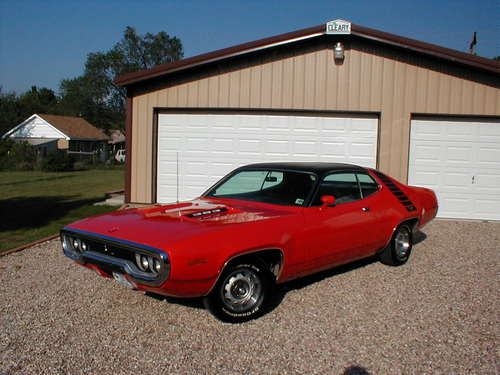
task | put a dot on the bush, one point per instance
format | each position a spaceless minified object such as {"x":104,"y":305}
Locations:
{"x":16,"y":155}
{"x":58,"y":161}
{"x":80,"y":166}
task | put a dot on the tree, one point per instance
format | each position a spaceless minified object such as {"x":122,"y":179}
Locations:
{"x":14,"y":109}
{"x":94,"y":94}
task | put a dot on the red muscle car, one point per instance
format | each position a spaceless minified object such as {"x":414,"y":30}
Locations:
{"x":261,"y":225}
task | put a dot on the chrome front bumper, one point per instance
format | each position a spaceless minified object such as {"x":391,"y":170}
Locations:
{"x":114,"y":255}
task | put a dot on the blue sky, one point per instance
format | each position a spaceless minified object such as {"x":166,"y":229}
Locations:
{"x":42,"y":42}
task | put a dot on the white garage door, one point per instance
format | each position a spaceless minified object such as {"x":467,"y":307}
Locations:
{"x":209,"y":146}
{"x":460,"y":161}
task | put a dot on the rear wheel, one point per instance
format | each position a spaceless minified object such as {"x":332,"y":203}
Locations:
{"x":399,"y":249}
{"x":240,"y":294}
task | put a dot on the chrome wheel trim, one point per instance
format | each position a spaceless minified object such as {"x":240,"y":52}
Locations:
{"x":402,"y":243}
{"x":241,"y":290}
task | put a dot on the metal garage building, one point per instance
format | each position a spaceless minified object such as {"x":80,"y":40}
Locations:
{"x":425,"y":114}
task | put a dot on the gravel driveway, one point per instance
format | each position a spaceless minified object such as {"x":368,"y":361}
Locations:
{"x":436,"y":314}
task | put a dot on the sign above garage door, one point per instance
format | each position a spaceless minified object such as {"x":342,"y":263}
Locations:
{"x":460,"y":160}
{"x":209,"y":146}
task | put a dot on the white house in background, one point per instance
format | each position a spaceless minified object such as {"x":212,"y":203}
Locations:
{"x":48,"y":133}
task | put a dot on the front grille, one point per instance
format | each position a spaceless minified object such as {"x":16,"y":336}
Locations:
{"x":111,"y":250}
{"x":397,"y":192}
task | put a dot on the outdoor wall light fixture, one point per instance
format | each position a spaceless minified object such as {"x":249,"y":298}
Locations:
{"x":338,"y":52}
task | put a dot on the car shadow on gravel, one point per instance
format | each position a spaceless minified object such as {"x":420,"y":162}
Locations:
{"x":196,"y":303}
{"x":297,"y":284}
{"x":281,"y":290}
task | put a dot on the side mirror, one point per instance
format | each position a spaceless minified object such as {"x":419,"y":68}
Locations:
{"x":327,"y":200}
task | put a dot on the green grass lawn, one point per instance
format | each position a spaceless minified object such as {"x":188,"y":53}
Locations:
{"x":34,"y":205}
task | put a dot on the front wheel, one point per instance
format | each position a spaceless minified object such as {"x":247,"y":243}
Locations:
{"x":399,"y":249}
{"x":240,"y":294}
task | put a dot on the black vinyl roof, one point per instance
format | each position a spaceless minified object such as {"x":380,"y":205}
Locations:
{"x":311,"y":167}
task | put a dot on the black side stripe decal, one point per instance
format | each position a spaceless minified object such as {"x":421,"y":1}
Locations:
{"x":398,"y":193}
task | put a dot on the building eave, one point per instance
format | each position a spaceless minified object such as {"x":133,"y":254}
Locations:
{"x":413,"y":45}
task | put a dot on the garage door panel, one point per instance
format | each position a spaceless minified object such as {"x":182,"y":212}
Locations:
{"x":211,"y":145}
{"x":454,"y":206}
{"x":426,"y":178}
{"x":276,"y":147}
{"x":486,"y":183}
{"x":460,"y":160}
{"x":489,"y":134}
{"x":459,"y":131}
{"x":456,"y":181}
{"x":426,"y":152}
{"x":486,"y":208}
{"x":459,"y":153}
{"x":490,"y":156}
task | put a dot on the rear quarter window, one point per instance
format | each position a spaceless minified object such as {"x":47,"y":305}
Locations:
{"x":368,"y":184}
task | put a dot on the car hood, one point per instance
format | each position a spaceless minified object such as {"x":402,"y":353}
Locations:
{"x":162,"y":226}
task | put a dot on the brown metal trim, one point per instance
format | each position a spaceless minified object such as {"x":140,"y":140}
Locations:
{"x":266,"y":111}
{"x":315,"y":31}
{"x":409,"y":146}
{"x":128,"y":148}
{"x":154,"y":158}
{"x":427,"y":48}
{"x":451,"y":116}
{"x":379,"y":130}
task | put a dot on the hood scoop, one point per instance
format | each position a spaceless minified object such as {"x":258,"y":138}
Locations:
{"x":206,"y":213}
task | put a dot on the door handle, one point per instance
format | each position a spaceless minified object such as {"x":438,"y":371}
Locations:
{"x":365,"y":209}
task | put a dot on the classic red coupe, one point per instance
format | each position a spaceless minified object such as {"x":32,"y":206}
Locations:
{"x":263,"y":224}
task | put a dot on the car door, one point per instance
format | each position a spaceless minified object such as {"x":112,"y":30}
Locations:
{"x":346,"y":231}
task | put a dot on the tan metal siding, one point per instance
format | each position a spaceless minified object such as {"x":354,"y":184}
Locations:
{"x":369,"y":80}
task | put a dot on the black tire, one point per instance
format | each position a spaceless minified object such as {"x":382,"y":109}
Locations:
{"x":240,"y":294}
{"x":399,"y":249}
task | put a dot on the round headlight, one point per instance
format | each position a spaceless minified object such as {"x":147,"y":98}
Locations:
{"x":145,"y":262}
{"x":156,"y":265}
{"x":138,"y":261}
{"x":64,"y":242}
{"x":84,"y":246}
{"x":76,"y":243}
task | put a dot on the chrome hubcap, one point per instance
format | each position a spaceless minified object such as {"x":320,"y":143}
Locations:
{"x":402,"y":243}
{"x":241,"y":290}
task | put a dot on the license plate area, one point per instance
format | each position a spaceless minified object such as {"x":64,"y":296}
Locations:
{"x":122,"y":280}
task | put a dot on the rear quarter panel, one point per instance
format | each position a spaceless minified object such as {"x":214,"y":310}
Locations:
{"x":397,"y":208}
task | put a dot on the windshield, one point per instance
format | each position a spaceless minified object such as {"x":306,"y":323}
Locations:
{"x":276,"y":187}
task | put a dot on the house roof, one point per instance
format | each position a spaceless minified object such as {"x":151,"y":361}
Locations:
{"x":413,"y":45}
{"x":75,"y":127}
{"x":116,"y":136}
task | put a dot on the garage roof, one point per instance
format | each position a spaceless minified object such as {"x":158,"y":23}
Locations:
{"x":295,"y":36}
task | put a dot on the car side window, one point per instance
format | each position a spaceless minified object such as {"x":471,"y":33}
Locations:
{"x":343,"y":186}
{"x":244,"y":182}
{"x":368,"y":184}
{"x":273,"y":178}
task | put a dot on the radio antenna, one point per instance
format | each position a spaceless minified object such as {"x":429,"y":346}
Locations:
{"x":177,"y":157}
